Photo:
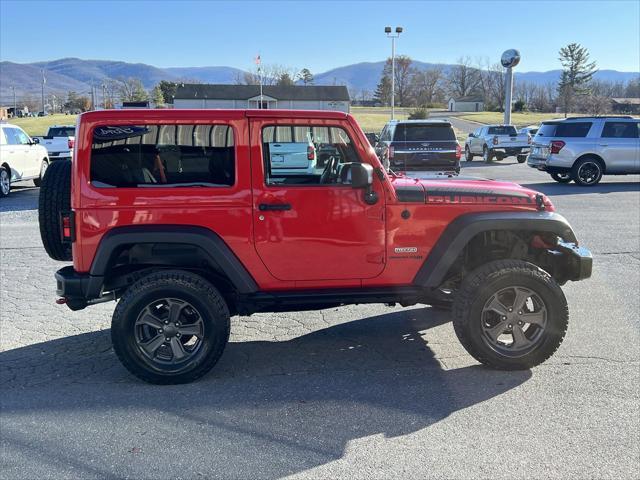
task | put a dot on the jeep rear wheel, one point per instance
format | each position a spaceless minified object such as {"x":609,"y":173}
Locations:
{"x":55,"y":198}
{"x":510,"y":315}
{"x":170,"y":327}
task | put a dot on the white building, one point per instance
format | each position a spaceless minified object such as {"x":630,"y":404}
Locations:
{"x":311,"y":97}
{"x":470,"y":103}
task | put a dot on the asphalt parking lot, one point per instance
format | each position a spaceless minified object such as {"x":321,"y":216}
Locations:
{"x":358,"y":392}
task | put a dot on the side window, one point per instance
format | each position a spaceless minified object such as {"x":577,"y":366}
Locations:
{"x":163,"y":156}
{"x":307,"y":155}
{"x":620,"y":130}
{"x":573,"y":129}
{"x":15,"y":136}
{"x":3,"y":139}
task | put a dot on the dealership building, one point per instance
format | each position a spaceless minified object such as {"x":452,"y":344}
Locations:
{"x":310,"y":97}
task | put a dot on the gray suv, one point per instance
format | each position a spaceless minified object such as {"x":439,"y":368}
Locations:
{"x":583,"y":149}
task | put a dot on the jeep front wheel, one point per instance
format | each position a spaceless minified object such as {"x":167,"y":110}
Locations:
{"x":510,"y":315}
{"x":170,"y":327}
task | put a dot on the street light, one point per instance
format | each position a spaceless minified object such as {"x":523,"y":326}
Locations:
{"x":509,"y":59}
{"x":387,"y":30}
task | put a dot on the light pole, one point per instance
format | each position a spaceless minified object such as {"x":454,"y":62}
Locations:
{"x":509,"y":59}
{"x":15,"y":105}
{"x":393,"y":37}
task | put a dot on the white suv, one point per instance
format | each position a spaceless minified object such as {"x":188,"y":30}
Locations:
{"x":21,"y":158}
{"x":583,"y":149}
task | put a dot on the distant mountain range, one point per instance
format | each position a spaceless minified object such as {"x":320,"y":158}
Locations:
{"x":75,"y":74}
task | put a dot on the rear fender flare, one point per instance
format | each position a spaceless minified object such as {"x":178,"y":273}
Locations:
{"x":216,"y":249}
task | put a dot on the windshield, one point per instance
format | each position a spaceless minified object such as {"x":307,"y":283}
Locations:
{"x":503,"y":130}
{"x":423,"y":133}
{"x":62,"y":132}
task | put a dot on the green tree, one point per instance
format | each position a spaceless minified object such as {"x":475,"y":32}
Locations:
{"x":383,"y":90}
{"x":168,"y":90}
{"x":306,"y":76}
{"x":284,"y":80}
{"x":157,"y":96}
{"x":577,"y":72}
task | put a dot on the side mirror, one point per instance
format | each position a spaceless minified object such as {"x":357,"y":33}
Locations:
{"x":361,"y":175}
{"x":35,"y":141}
{"x":471,"y":135}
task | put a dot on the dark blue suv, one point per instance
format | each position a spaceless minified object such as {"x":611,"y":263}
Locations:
{"x":429,"y":145}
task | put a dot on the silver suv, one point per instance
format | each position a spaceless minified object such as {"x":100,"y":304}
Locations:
{"x":583,"y":149}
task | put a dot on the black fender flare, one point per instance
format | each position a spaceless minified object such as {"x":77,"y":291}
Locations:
{"x":208,"y":241}
{"x":461,"y":230}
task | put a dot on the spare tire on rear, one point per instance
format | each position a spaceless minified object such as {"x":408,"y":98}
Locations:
{"x":55,"y":198}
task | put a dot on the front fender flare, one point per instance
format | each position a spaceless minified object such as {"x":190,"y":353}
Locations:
{"x":461,"y":230}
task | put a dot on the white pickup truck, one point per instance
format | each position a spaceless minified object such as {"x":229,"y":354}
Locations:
{"x":499,"y":141}
{"x":59,"y":141}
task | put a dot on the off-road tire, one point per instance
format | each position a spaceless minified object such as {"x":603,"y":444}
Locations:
{"x":561,"y":177}
{"x":175,"y":284}
{"x":488,"y":279}
{"x":55,"y":197}
{"x":43,"y":168}
{"x":521,"y":158}
{"x":487,"y":155}
{"x":580,"y":165}
{"x":468,"y":156}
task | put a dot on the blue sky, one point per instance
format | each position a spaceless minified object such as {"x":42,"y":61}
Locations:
{"x":317,"y":35}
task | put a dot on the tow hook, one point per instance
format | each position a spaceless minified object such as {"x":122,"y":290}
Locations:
{"x":540,"y":201}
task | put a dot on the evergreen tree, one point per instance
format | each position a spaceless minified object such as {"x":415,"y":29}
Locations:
{"x":383,"y":90}
{"x":306,"y":76}
{"x":157,"y":96}
{"x":577,"y":72}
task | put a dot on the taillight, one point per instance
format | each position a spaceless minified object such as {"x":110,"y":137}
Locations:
{"x":311,"y":153}
{"x":70,"y":143}
{"x":556,"y":146}
{"x":390,"y":151}
{"x":458,"y":151}
{"x":495,"y":140}
{"x":67,"y":227}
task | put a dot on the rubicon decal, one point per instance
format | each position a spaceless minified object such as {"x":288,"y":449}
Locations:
{"x":476,"y":196}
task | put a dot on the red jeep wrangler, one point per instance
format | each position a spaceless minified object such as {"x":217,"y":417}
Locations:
{"x":189,"y":217}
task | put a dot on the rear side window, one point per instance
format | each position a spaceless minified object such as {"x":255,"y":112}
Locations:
{"x":620,"y":130}
{"x":163,"y":156}
{"x":423,"y":133}
{"x":547,"y":130}
{"x":573,"y":129}
{"x":62,"y":132}
{"x":503,"y":130}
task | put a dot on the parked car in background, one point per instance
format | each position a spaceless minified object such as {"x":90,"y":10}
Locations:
{"x":531,"y":130}
{"x":583,"y":149}
{"x":497,"y":141}
{"x":21,"y":158}
{"x":427,"y":145}
{"x":59,"y":141}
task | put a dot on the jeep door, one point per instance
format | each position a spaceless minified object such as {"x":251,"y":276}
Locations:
{"x":315,"y":226}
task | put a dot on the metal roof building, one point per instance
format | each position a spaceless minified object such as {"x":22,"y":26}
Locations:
{"x":311,"y":97}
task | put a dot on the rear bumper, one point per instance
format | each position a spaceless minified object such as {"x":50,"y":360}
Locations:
{"x":436,"y":164}
{"x":78,"y":289}
{"x":542,"y":164}
{"x":511,"y":150}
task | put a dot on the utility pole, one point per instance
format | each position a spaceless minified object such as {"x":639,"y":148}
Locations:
{"x":44,"y":80}
{"x":15,"y":108}
{"x":387,"y":30}
{"x":104,"y":96}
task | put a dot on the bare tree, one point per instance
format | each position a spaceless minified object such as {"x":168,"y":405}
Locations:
{"x":132,"y":90}
{"x":463,"y":78}
{"x":426,"y":86}
{"x":403,"y":74}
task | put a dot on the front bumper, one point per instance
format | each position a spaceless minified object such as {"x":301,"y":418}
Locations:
{"x":578,"y":261}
